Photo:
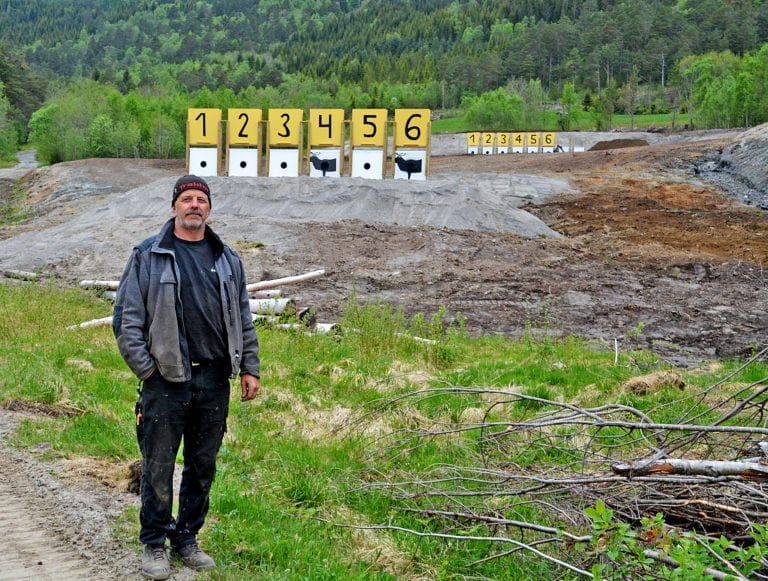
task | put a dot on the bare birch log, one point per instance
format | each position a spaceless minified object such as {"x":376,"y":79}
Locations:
{"x":272,"y":306}
{"x":325,"y":327}
{"x":266,"y":284}
{"x":256,"y":286}
{"x":711,"y":468}
{"x":100,"y":284}
{"x":20,"y":274}
{"x":266,"y":294}
{"x":92,"y":323}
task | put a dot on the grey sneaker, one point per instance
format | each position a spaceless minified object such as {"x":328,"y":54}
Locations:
{"x":194,"y":557}
{"x":155,"y":563}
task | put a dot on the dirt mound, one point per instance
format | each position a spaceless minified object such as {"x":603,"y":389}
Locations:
{"x":617,"y":144}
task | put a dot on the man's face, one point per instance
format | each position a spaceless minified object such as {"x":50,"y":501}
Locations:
{"x":191,"y":209}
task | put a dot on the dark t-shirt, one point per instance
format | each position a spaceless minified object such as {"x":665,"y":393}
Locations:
{"x":201,"y":300}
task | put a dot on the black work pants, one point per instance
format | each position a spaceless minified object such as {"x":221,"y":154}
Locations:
{"x":196,"y":411}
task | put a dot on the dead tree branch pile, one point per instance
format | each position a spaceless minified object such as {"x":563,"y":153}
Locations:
{"x":705,"y":469}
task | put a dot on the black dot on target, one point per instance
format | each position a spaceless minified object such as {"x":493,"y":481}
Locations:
{"x":203,"y":163}
{"x":283,"y":165}
{"x":243,"y":164}
{"x":367,"y":166}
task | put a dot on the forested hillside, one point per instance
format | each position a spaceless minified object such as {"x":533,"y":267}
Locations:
{"x":471,"y":45}
{"x":603,"y":55}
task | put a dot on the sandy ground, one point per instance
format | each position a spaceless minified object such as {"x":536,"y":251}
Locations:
{"x":594,"y":244}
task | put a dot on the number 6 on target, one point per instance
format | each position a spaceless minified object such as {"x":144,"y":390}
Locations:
{"x":411,"y":156}
{"x":412,"y":127}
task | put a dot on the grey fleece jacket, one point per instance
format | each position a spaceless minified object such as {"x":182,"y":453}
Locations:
{"x":147,"y":318}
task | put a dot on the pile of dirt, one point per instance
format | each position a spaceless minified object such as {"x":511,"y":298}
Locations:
{"x":617,"y":143}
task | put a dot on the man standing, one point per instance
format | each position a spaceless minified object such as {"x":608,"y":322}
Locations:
{"x":183,"y":325}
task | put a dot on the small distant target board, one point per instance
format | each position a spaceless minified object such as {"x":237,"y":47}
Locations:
{"x":411,"y":144}
{"x":489,"y":140}
{"x":518,"y":142}
{"x":473,"y":142}
{"x":502,"y":142}
{"x":548,"y":142}
{"x":532,"y":142}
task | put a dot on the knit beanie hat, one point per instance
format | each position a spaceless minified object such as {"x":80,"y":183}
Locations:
{"x":190,"y":182}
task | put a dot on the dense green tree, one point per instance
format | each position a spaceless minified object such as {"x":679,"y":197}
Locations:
{"x":569,"y":101}
{"x":154,"y":58}
{"x":8,"y":137}
{"x":496,"y":110}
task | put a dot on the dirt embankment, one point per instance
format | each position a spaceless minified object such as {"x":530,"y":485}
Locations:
{"x":596,"y":244}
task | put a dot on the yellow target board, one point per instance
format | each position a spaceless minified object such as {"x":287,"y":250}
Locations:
{"x":548,"y":141}
{"x":326,"y":127}
{"x":243,"y":138}
{"x":284,"y":127}
{"x":243,"y":127}
{"x":473,"y":142}
{"x":326,"y":139}
{"x":368,"y":140}
{"x":502,"y":142}
{"x":533,"y":141}
{"x":369,"y":127}
{"x":488,"y":143}
{"x":203,"y":126}
{"x":518,"y":142}
{"x":411,"y":138}
{"x":412,"y":127}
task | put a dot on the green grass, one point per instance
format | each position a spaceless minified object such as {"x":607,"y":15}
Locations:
{"x":337,"y":413}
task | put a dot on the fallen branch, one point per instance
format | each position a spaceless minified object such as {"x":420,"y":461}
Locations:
{"x":661,"y":558}
{"x":466,"y":537}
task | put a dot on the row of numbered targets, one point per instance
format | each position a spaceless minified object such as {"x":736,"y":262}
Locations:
{"x":280,"y":136}
{"x":514,"y":142}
